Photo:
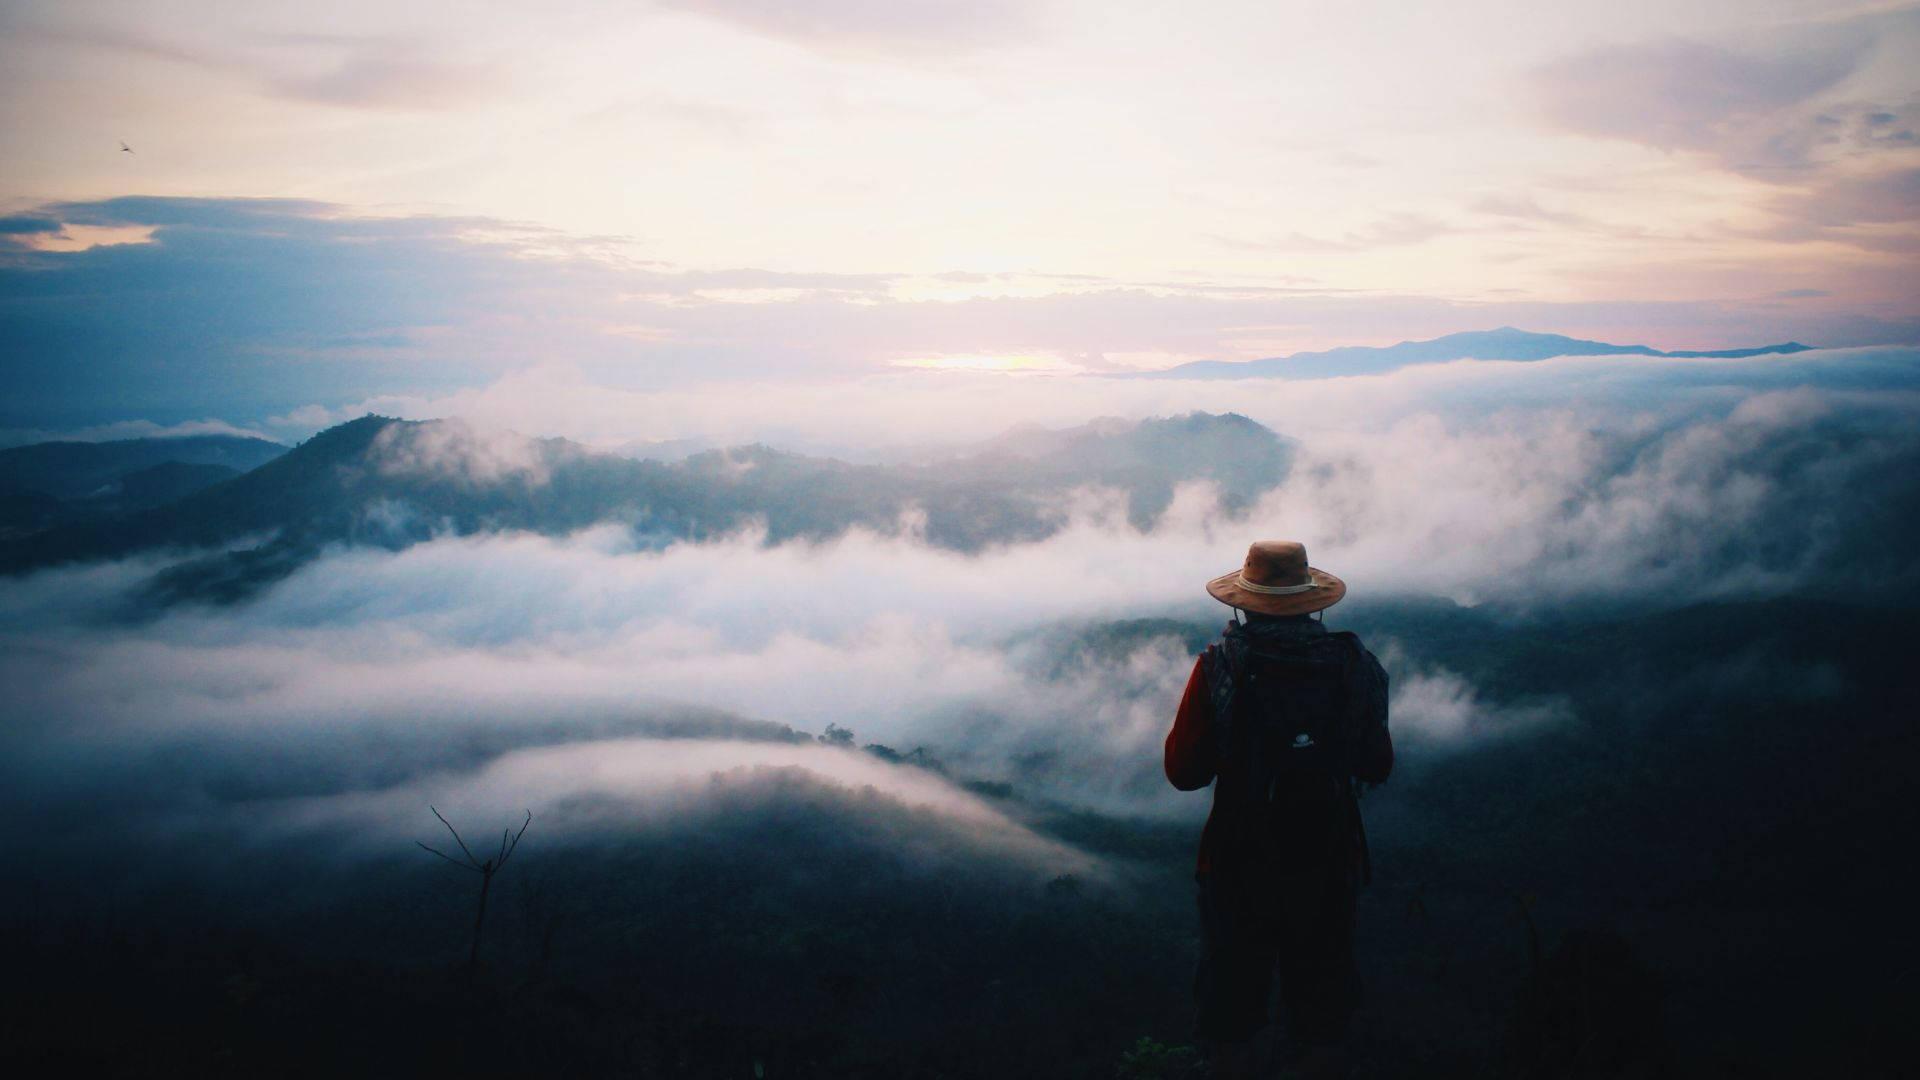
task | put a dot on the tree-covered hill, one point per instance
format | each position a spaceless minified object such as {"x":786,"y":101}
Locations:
{"x":71,"y":470}
{"x":45,"y":485}
{"x":391,"y":483}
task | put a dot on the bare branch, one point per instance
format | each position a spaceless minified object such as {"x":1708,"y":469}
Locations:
{"x":456,"y":835}
{"x":509,"y":842}
{"x":445,"y":856}
{"x":507,"y":852}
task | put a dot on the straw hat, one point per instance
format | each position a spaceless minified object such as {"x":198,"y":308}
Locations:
{"x":1276,"y":580}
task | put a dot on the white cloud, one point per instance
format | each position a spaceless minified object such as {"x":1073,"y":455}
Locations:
{"x":130,"y":429}
{"x":653,"y":785}
{"x":455,"y":450}
{"x":877,"y":415}
{"x":1668,"y":482}
{"x":1433,"y":707}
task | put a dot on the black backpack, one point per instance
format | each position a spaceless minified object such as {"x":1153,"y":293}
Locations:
{"x":1286,"y":715}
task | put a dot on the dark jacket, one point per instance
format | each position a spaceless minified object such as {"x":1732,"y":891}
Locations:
{"x":1193,"y":758}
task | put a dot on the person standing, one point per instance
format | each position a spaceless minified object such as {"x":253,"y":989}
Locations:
{"x":1287,"y":720}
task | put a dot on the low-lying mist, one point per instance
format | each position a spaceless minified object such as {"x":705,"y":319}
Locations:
{"x":1610,"y":624}
{"x":362,"y":669}
{"x":910,"y":415}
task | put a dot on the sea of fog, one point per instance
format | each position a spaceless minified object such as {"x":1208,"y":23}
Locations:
{"x":1622,"y":601}
{"x":1626,"y":482}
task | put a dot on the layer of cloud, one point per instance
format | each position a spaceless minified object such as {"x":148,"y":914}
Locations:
{"x":1709,"y":492}
{"x":910,"y":28}
{"x":251,"y":309}
{"x":899,"y":414}
{"x":144,"y":429}
{"x":1434,"y":710}
{"x":1690,"y":95}
{"x":455,"y":451}
{"x":1804,"y":106}
{"x":382,"y":71}
{"x":1394,"y":230}
{"x":621,"y":690}
{"x":1850,"y":208}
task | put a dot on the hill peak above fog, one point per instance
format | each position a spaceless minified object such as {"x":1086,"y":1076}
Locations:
{"x":1504,"y":343}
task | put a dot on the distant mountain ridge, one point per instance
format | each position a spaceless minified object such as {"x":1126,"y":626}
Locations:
{"x":1505,"y":343}
{"x":72,"y":470}
{"x":391,"y":483}
{"x":53,"y":483}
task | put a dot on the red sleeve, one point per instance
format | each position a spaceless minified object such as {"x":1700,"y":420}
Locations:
{"x":1190,"y":764}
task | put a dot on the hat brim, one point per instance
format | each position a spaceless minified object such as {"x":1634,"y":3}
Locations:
{"x":1326,"y":592}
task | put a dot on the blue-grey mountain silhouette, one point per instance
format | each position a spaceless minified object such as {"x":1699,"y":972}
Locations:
{"x":392,"y":483}
{"x":1506,"y":343}
{"x":47,"y":484}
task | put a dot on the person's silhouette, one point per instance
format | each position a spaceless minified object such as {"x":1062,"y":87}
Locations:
{"x":1286,"y":720}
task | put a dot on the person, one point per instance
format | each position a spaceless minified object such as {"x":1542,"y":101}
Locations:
{"x":1287,"y":720}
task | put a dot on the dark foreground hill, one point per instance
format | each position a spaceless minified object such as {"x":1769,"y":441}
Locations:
{"x":391,"y":483}
{"x":1505,"y":343}
{"x":1692,"y":870}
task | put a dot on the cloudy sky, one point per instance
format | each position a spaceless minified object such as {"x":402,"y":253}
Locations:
{"x":317,"y":211}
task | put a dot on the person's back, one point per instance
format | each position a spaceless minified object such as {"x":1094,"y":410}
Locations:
{"x":1287,"y":720}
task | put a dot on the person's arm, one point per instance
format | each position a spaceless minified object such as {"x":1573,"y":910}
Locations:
{"x":1374,"y":763}
{"x":1189,"y":755}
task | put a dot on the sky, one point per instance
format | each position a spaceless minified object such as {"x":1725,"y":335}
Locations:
{"x":317,"y":209}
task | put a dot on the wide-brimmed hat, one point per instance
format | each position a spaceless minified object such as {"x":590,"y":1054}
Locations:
{"x":1276,"y":580}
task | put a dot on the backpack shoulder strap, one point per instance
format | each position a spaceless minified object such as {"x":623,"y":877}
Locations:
{"x":1223,"y":661}
{"x":1349,"y":642}
{"x":1353,"y":653}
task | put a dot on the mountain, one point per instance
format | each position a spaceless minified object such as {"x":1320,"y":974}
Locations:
{"x":56,"y":483}
{"x":666,"y":449}
{"x":74,"y":470}
{"x":391,"y":483}
{"x":1146,"y":459}
{"x":1506,"y":343}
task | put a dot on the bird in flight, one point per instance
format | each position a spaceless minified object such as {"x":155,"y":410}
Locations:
{"x":125,"y":149}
